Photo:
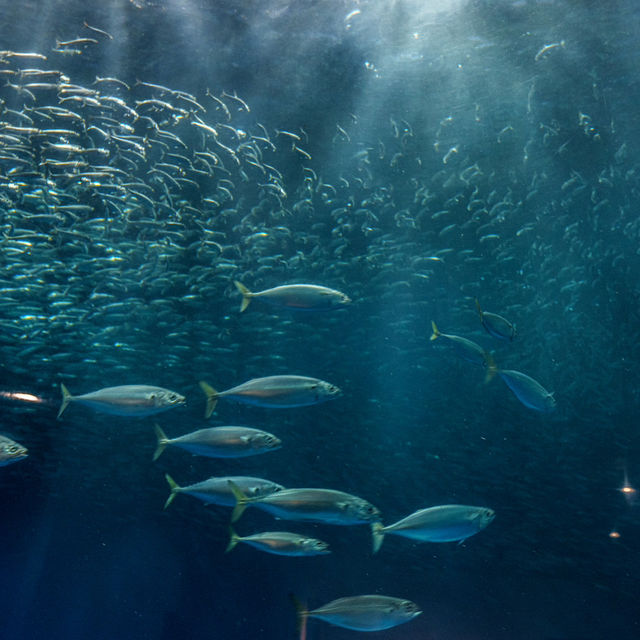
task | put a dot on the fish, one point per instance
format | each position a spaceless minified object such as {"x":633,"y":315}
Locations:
{"x":125,"y":400}
{"x":301,"y":297}
{"x":465,"y":348}
{"x":11,"y":451}
{"x":496,"y":325}
{"x":311,"y":505}
{"x":277,"y":392}
{"x":217,"y":491}
{"x":529,"y":391}
{"x":360,"y":613}
{"x":444,"y":523}
{"x":280,"y":543}
{"x":220,"y":442}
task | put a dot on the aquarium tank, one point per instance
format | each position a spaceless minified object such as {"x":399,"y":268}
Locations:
{"x":320,"y":319}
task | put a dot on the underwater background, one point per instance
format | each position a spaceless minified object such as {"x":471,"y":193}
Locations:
{"x":414,"y":155}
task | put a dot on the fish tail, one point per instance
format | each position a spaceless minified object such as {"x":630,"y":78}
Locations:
{"x":377,"y":531}
{"x":479,"y":308}
{"x":66,"y":399}
{"x":212,"y":398}
{"x":162,"y":441}
{"x":246,"y":295}
{"x":233,"y":541}
{"x":241,"y":501}
{"x":492,"y":368}
{"x":175,"y":489}
{"x":303,"y":614}
{"x":436,"y":333}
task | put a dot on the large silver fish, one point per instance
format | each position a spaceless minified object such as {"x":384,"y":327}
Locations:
{"x":278,"y":392}
{"x":217,"y":490}
{"x":465,"y":348}
{"x":11,"y":451}
{"x":444,"y":523}
{"x":281,"y":543}
{"x":125,"y":400}
{"x":301,"y":297}
{"x":311,"y":505}
{"x":529,"y":391}
{"x":220,"y":442}
{"x":496,"y":325}
{"x":361,"y":613}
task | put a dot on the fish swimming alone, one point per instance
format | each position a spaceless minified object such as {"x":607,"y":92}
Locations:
{"x":310,"y":505}
{"x":360,"y":613}
{"x":125,"y":400}
{"x":496,"y":325}
{"x":217,"y":490}
{"x":220,"y":442}
{"x":445,"y":523}
{"x":281,"y":543}
{"x":278,"y":392}
{"x":301,"y":297}
{"x":11,"y":451}
{"x":529,"y":391}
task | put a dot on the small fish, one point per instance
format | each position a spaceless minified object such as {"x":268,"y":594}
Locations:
{"x":217,"y":490}
{"x":360,"y":613}
{"x":278,"y":392}
{"x":530,"y":392}
{"x":466,"y":349}
{"x":11,"y":451}
{"x":125,"y":400}
{"x":281,"y":543}
{"x":220,"y":442}
{"x":304,"y":297}
{"x":310,"y":505}
{"x":445,"y":523}
{"x":496,"y":325}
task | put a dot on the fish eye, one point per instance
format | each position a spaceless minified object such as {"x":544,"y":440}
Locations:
{"x":13,"y":449}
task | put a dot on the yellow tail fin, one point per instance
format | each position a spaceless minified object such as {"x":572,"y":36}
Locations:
{"x":246,"y":295}
{"x":66,"y":399}
{"x":479,"y":308}
{"x":377,"y":531}
{"x":212,"y":398}
{"x":303,"y":615}
{"x":175,"y":489}
{"x":241,"y":501}
{"x":234,"y":539}
{"x":436,"y":333}
{"x":492,"y":368}
{"x":162,"y":441}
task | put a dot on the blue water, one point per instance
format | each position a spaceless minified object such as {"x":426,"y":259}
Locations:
{"x":431,"y":154}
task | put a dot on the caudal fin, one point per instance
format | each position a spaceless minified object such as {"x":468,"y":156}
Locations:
{"x":492,"y":367}
{"x":233,"y":541}
{"x":479,"y":308}
{"x":241,"y":501}
{"x":66,"y":399}
{"x":212,"y":398}
{"x":246,"y":295}
{"x":303,"y":614}
{"x":162,"y":442}
{"x":175,"y":489}
{"x":436,"y":333}
{"x":377,"y":531}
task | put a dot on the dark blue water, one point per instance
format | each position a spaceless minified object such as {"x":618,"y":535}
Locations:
{"x":452,"y":151}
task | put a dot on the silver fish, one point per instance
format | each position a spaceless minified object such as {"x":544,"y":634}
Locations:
{"x":467,"y":349}
{"x":220,"y":442}
{"x":496,"y":325}
{"x":311,"y":505}
{"x":11,"y":451}
{"x":303,"y":297}
{"x":217,"y":490}
{"x":361,"y":613}
{"x":274,"y":391}
{"x":125,"y":400}
{"x":445,"y":523}
{"x":529,"y":391}
{"x":281,"y":543}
